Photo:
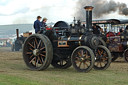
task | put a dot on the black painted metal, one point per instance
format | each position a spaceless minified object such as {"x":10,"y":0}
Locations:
{"x":17,"y":33}
{"x":88,"y":18}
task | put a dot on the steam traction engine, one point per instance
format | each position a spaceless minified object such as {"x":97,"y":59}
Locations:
{"x":66,"y":45}
{"x":17,"y":45}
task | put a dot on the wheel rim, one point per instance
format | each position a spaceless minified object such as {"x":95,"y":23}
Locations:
{"x":35,"y":52}
{"x":126,"y":55}
{"x":101,"y":59}
{"x":82,"y":59}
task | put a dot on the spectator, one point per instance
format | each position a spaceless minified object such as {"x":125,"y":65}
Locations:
{"x":37,"y":24}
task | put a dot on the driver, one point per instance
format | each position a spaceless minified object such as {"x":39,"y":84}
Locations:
{"x":44,"y":25}
{"x":95,"y":29}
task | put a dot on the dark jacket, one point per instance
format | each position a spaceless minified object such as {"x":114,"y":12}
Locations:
{"x":37,"y":26}
{"x":43,"y":25}
{"x":96,"y":30}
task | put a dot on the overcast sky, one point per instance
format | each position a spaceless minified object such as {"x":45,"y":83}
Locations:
{"x":26,"y":11}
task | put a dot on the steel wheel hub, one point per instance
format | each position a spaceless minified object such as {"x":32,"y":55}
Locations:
{"x":82,"y":59}
{"x":36,"y":52}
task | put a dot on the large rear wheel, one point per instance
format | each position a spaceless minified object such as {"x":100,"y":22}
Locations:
{"x":37,"y":52}
{"x":83,"y":59}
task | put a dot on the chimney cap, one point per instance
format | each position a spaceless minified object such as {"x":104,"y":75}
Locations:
{"x":88,"y":8}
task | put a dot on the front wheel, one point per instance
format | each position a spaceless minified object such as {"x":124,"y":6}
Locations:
{"x":103,"y":58}
{"x":83,"y":59}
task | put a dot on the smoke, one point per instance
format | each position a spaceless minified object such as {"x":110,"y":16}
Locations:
{"x":101,"y":8}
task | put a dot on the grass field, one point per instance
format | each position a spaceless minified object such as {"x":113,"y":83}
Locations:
{"x":13,"y":71}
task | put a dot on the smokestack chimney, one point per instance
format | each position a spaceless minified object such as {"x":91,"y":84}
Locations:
{"x":89,"y":17}
{"x":17,"y":33}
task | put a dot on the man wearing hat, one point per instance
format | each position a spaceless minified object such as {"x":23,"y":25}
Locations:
{"x":44,"y":22}
{"x":37,"y":24}
{"x":96,"y":29}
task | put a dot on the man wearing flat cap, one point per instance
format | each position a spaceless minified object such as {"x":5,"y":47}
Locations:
{"x":44,"y":22}
{"x":37,"y":24}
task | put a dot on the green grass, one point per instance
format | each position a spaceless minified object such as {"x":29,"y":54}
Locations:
{"x":15,"y":80}
{"x":63,"y":77}
{"x":13,"y":71}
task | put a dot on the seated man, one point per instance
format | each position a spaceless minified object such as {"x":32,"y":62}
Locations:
{"x":37,"y":24}
{"x":96,"y":29}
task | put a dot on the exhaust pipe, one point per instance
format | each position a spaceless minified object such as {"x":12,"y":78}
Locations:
{"x":89,"y":18}
{"x":17,"y":33}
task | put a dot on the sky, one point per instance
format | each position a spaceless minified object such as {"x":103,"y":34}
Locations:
{"x":26,"y":11}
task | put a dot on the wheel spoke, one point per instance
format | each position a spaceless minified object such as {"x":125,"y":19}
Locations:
{"x":36,"y":41}
{"x":29,"y":53}
{"x":79,"y":54}
{"x":31,"y":45}
{"x":98,"y":63}
{"x":44,"y":51}
{"x":31,"y":49}
{"x":101,"y":64}
{"x":35,"y":61}
{"x":87,"y":57}
{"x":32,"y":60}
{"x":31,"y":56}
{"x":86,"y":53}
{"x":42,"y":55}
{"x":102,"y":52}
{"x":39,"y":44}
{"x":80,"y":64}
{"x":34,"y":44}
{"x":42,"y":48}
{"x":86,"y":64}
{"x":77,"y":61}
{"x":104,"y":59}
{"x":40,"y":60}
{"x":77,"y":58}
{"x":82,"y":52}
{"x":88,"y":61}
{"x":99,"y":52}
{"x":105,"y":62}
